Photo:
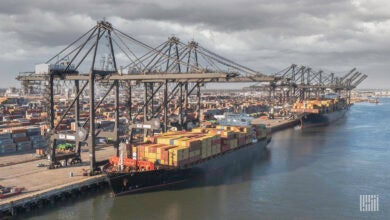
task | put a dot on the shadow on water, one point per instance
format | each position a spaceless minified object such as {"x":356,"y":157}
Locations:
{"x":139,"y":203}
{"x":65,"y":205}
{"x":237,"y":173}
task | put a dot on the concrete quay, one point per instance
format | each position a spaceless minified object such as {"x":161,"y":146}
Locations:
{"x":44,"y":185}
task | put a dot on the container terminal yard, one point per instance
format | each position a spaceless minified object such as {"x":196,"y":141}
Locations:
{"x":75,"y":110}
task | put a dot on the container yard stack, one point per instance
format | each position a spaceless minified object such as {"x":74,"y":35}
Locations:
{"x":37,"y":140}
{"x":21,"y":139}
{"x":6,"y":143}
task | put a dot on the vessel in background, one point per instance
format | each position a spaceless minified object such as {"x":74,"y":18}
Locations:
{"x":373,"y":99}
{"x":320,"y":112}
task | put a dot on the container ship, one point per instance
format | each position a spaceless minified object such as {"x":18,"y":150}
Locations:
{"x":320,"y":112}
{"x":177,"y":157}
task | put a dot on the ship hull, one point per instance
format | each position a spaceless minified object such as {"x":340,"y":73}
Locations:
{"x":316,"y":120}
{"x":138,"y":182}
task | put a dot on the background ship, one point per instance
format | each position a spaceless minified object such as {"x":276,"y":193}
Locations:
{"x":320,"y":112}
{"x":176,"y":157}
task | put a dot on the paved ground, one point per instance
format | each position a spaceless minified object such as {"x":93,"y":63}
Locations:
{"x":14,"y":158}
{"x":36,"y":179}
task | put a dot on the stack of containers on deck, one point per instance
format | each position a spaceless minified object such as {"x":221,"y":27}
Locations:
{"x":206,"y":144}
{"x":194,"y":149}
{"x":168,"y":140}
{"x":211,"y":142}
{"x":163,"y":154}
{"x":261,"y":131}
{"x":151,"y":152}
{"x":6,"y":143}
{"x":228,"y":139}
{"x":215,"y":144}
{"x":321,"y":105}
{"x":140,"y":151}
{"x":181,"y":148}
{"x":21,"y":140}
{"x":178,"y":156}
{"x":241,"y":141}
{"x":249,"y":136}
{"x":245,"y":133}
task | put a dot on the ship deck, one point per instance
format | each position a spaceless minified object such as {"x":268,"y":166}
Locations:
{"x":277,"y":123}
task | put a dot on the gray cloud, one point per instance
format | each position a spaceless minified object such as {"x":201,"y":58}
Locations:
{"x":265,"y":35}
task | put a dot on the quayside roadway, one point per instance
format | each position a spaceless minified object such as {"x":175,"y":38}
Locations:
{"x":40,"y":182}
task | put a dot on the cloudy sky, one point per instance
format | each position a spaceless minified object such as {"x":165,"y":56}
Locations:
{"x":332,"y":35}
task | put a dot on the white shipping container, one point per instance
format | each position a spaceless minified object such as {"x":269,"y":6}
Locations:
{"x":43,"y":68}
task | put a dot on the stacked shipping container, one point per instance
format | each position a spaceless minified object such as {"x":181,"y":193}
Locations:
{"x":182,"y":148}
{"x":21,"y":139}
{"x":6,"y":143}
{"x":316,"y":106}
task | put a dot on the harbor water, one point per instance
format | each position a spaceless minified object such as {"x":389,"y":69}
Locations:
{"x":318,"y":173}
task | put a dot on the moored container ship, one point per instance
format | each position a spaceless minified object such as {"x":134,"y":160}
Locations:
{"x":176,"y":157}
{"x":320,"y":112}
